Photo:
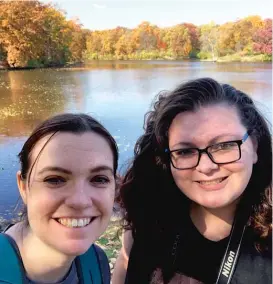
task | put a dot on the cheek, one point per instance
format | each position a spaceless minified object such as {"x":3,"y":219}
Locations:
{"x":105,"y":201}
{"x":42,"y":202}
{"x":181,"y":178}
{"x":240,"y":173}
{"x":243,"y":165}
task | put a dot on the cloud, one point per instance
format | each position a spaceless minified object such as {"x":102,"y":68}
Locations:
{"x":99,"y":6}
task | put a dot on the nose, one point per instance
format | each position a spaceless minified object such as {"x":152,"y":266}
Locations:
{"x":79,"y":196}
{"x":205,"y":164}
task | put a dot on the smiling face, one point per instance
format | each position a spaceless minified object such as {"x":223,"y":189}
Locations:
{"x":208,"y":184}
{"x":71,"y":191}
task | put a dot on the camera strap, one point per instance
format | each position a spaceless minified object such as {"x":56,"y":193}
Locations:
{"x":232,"y":252}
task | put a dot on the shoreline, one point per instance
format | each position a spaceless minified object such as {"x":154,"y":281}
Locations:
{"x":69,"y":65}
{"x":224,"y":59}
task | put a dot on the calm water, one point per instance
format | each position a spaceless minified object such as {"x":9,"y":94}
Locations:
{"x":118,"y":94}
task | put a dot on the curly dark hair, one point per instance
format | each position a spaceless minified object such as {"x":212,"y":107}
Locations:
{"x":148,"y":196}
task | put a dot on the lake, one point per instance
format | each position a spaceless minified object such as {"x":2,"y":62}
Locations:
{"x":117,"y":93}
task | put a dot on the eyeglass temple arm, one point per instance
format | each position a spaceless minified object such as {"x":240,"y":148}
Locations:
{"x":246,"y":136}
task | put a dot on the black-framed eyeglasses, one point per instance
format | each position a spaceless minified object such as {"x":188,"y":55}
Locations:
{"x":220,"y":153}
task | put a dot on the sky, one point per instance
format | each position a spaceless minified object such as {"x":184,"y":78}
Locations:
{"x":101,"y":14}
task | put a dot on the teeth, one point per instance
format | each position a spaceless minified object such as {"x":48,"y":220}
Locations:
{"x":74,"y":223}
{"x":81,"y":222}
{"x":212,"y":181}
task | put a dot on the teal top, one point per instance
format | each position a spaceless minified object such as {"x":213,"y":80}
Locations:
{"x":91,"y":267}
{"x":70,"y":278}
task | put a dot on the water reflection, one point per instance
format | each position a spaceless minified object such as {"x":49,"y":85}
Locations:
{"x":28,"y":97}
{"x":116,"y":93}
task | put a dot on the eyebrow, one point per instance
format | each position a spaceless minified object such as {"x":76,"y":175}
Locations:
{"x":211,"y":142}
{"x":102,"y":168}
{"x":65,"y":171}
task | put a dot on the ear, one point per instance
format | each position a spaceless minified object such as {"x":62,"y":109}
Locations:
{"x":22,"y":185}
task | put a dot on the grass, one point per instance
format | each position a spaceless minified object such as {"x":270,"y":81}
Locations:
{"x":245,"y":58}
{"x":110,"y":241}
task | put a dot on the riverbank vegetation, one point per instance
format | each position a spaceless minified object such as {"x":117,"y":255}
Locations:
{"x":34,"y":34}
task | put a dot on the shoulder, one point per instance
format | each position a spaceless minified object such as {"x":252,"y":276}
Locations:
{"x":93,"y":262}
{"x":8,"y":245}
{"x":249,"y":247}
{"x":127,"y":243}
{"x":103,"y":263}
{"x":11,"y":266}
{"x":4,"y":226}
{"x":253,"y":266}
{"x":100,"y":254}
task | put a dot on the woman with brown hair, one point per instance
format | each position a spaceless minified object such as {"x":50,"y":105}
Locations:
{"x":197,"y":198}
{"x":67,"y":182}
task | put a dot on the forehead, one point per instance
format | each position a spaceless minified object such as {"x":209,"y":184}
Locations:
{"x":70,"y":151}
{"x":206,"y":122}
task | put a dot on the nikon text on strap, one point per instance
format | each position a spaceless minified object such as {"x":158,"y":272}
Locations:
{"x":232,"y":252}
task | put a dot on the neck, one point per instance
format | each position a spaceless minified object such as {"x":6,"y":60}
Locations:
{"x":213,"y":223}
{"x":48,"y":265}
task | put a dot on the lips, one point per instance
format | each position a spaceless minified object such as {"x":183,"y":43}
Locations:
{"x":210,"y":182}
{"x":75,"y":222}
{"x":213,"y":184}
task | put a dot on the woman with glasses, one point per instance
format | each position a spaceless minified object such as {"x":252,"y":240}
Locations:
{"x":197,"y":198}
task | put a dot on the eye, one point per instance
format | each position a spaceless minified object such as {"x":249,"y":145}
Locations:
{"x":185,"y":152}
{"x":100,"y":180}
{"x":224,"y":146}
{"x":54,"y":180}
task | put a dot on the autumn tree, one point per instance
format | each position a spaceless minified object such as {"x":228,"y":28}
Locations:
{"x":126,"y":45}
{"x":226,"y":40}
{"x":178,"y":41}
{"x":93,"y":44}
{"x":56,"y":37}
{"x":243,"y":33}
{"x":263,"y":38}
{"x":21,"y":29}
{"x":194,"y":35}
{"x":76,"y":40}
{"x":110,"y":39}
{"x":145,"y":36}
{"x":33,"y":33}
{"x":209,"y":39}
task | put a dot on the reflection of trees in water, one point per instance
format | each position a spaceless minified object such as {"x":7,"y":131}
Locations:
{"x":30,"y":97}
{"x":73,"y":85}
{"x":120,"y":65}
{"x":240,"y":67}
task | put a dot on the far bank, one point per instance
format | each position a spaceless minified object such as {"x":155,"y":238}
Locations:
{"x":224,"y":59}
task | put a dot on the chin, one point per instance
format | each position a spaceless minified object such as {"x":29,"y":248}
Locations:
{"x":215,"y":203}
{"x":213,"y":206}
{"x":76,"y":249}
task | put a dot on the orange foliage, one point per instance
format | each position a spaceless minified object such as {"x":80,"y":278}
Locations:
{"x":38,"y":34}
